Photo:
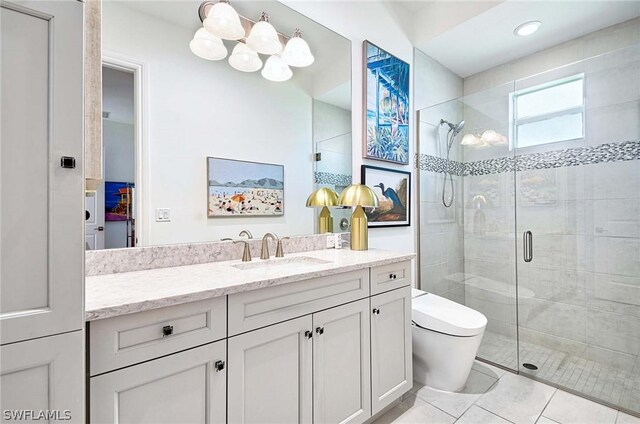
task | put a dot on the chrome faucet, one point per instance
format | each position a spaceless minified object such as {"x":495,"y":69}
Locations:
{"x":279,"y":251}
{"x":264,"y":252}
{"x":246,"y":253}
{"x":246,"y":233}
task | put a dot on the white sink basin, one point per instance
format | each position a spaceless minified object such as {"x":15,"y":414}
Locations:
{"x":295,"y":261}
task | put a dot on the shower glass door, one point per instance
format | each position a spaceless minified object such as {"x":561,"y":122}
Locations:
{"x":575,"y":131}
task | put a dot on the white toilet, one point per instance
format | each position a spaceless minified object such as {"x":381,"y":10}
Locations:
{"x":446,"y":337}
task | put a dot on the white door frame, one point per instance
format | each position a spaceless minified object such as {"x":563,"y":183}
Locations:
{"x":141,"y":133}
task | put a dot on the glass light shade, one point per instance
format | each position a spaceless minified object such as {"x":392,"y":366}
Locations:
{"x":223,"y":22}
{"x":207,"y":46}
{"x":358,"y":195}
{"x":469,"y":140}
{"x":297,"y":53}
{"x":276,"y":70}
{"x":322,"y":197}
{"x":491,"y":137}
{"x":244,"y":59}
{"x":263,"y":38}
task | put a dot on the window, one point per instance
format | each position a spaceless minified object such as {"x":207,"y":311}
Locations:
{"x":550,"y":112}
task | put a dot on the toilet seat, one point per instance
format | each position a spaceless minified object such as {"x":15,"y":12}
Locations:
{"x":436,"y":313}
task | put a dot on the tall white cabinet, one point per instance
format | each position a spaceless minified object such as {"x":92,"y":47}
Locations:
{"x":41,"y":200}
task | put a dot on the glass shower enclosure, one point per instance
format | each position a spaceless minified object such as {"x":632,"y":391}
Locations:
{"x":543,"y":233}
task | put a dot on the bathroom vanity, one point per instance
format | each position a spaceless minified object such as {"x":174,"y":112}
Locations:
{"x":321,"y":336}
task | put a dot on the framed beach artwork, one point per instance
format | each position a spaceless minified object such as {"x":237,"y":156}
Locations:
{"x":393,"y":189}
{"x":118,"y":201}
{"x":241,"y":188}
{"x":387,"y":98}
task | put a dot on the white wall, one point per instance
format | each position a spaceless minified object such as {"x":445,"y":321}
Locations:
{"x":197,"y":109}
{"x":383,"y":26}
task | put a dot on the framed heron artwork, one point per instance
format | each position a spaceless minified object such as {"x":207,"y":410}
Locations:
{"x":238,"y":188}
{"x":386,"y":91}
{"x":393,"y":189}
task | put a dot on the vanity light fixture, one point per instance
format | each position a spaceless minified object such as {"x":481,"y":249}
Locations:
{"x":244,"y":59}
{"x":207,"y":46}
{"x":297,"y":52}
{"x":221,"y":22}
{"x":357,"y":196}
{"x":527,"y":28}
{"x":276,"y":70}
{"x":487,"y":139}
{"x":263,"y":37}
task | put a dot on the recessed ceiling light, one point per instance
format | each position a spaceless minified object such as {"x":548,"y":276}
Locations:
{"x":527,"y":28}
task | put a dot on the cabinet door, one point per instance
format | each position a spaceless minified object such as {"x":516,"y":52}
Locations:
{"x":44,"y":374}
{"x":391,"y":366}
{"x":186,"y":387}
{"x":270,"y":374}
{"x":42,"y":219}
{"x":341,"y":364}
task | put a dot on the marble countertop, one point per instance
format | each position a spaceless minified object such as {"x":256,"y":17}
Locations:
{"x":112,"y":295}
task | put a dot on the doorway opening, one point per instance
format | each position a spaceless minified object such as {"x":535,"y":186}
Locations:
{"x":113,"y":207}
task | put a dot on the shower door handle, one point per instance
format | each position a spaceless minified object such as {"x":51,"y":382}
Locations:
{"x":527,"y":246}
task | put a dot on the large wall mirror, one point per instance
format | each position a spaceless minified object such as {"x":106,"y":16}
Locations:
{"x":166,"y":110}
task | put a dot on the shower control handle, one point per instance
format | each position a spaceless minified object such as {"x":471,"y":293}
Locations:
{"x":527,"y":246}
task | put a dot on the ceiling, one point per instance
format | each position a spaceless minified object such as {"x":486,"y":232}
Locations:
{"x":486,"y":39}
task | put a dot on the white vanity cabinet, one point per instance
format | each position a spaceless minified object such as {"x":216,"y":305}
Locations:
{"x":186,"y":387}
{"x":321,"y":350}
{"x":342,"y":364}
{"x":391,"y":354}
{"x":270,"y":376}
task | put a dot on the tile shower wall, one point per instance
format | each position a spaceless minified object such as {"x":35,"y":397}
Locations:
{"x":441,"y":229}
{"x":579,"y":299}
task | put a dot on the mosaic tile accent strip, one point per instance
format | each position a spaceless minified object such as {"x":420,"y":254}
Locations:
{"x":333,"y":179}
{"x":436,"y":164}
{"x":608,"y":152}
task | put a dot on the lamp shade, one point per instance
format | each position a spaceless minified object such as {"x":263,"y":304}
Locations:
{"x":244,"y":59}
{"x":322,"y":197}
{"x":296,"y":52}
{"x":223,"y":22}
{"x":276,"y":70}
{"x":469,"y":140}
{"x":263,"y":37}
{"x":358,"y":195}
{"x":207,"y":46}
{"x":491,"y":137}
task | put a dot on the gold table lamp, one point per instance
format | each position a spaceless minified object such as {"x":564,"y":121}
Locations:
{"x":358,"y":195}
{"x":323,"y":197}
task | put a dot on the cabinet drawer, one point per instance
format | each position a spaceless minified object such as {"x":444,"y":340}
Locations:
{"x":389,"y":277}
{"x":259,"y":308}
{"x":129,"y":339}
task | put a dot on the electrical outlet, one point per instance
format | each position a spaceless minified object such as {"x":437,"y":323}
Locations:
{"x":163,"y":215}
{"x":330,"y":241}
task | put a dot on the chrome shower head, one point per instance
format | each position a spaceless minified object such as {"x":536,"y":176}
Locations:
{"x":456,"y":128}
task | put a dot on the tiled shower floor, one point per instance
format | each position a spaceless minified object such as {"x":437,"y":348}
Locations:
{"x":609,"y":383}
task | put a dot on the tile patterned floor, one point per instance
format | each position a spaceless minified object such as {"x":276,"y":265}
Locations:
{"x":494,"y":396}
{"x":612,"y":384}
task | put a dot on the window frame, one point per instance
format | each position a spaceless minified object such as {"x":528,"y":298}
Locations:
{"x":516,"y":122}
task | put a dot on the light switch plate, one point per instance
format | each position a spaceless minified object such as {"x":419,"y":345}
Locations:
{"x":163,"y":215}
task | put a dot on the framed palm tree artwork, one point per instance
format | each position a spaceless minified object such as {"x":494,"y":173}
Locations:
{"x":393,"y":189}
{"x":386,"y":93}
